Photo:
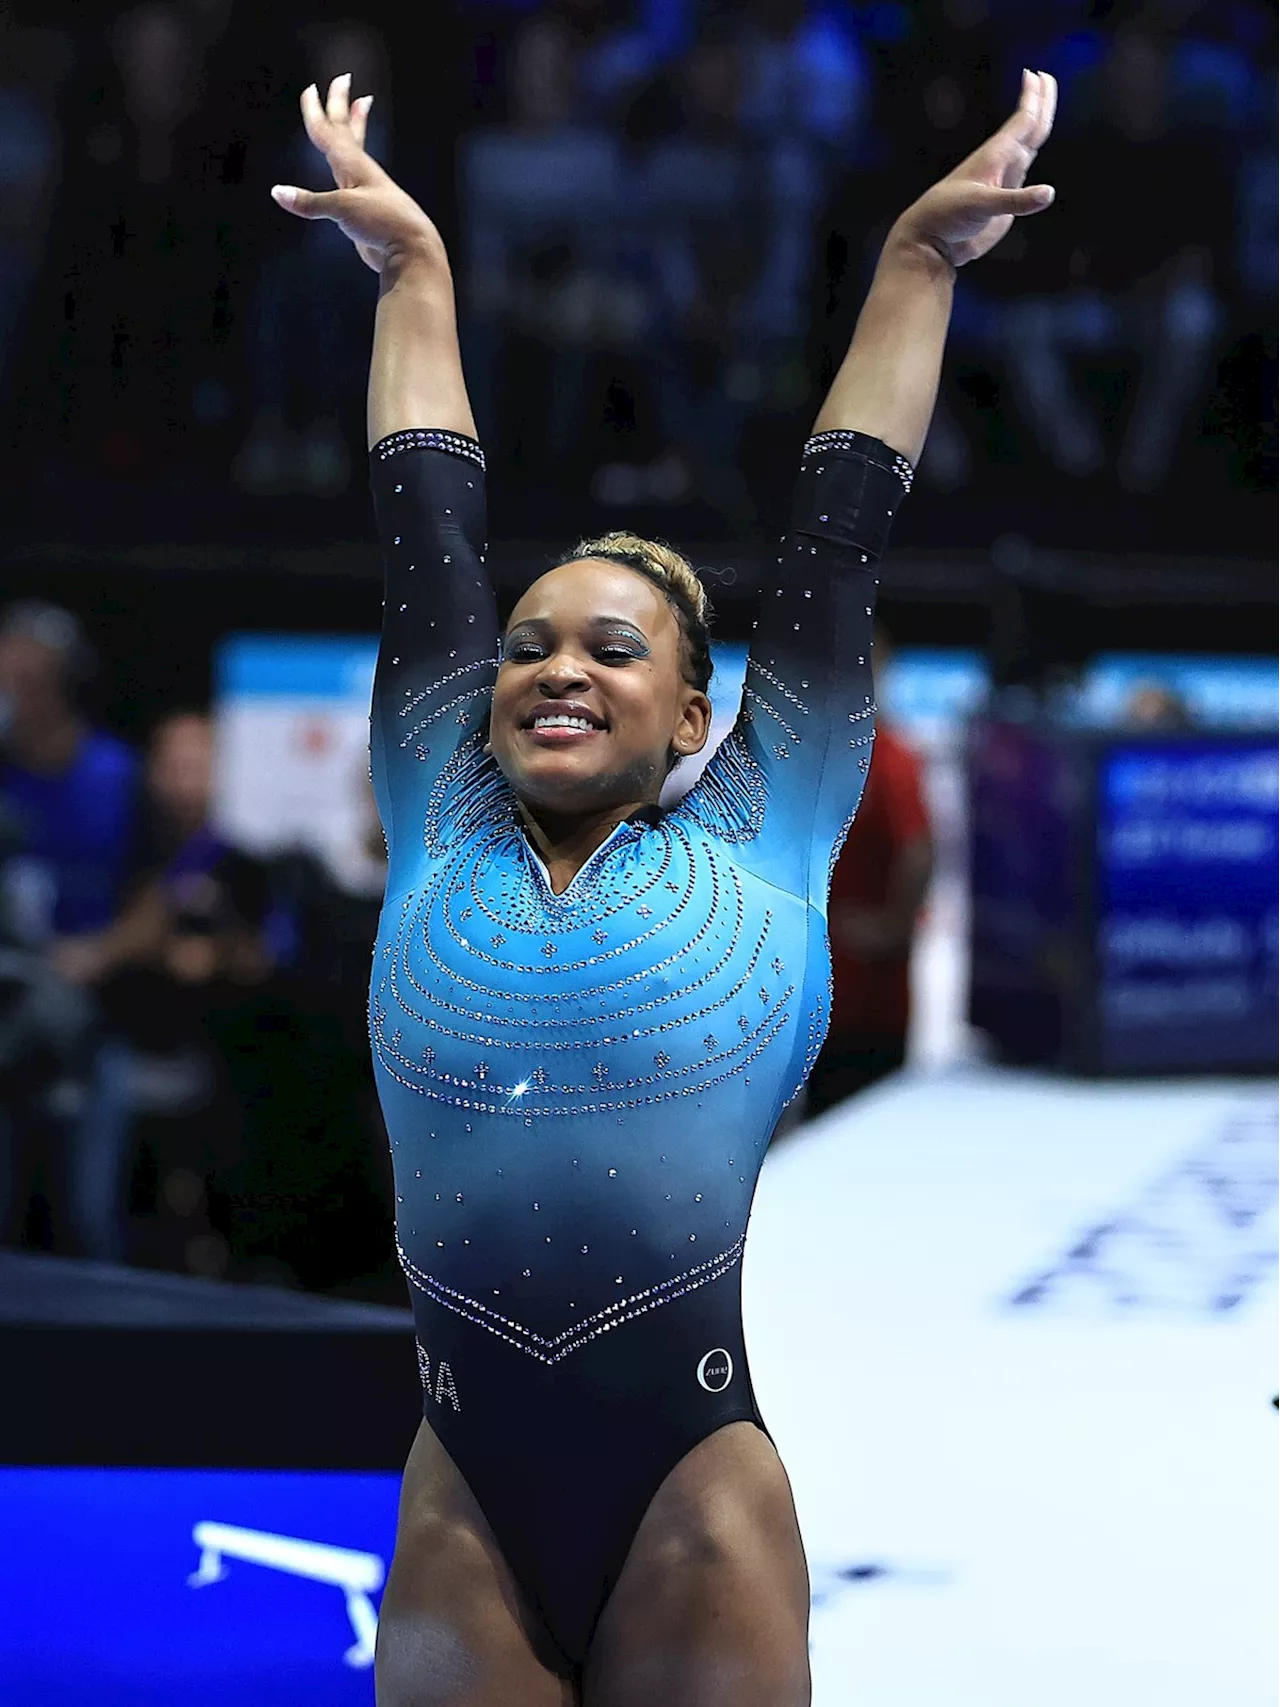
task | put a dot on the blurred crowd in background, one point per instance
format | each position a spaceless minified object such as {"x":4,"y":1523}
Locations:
{"x":662,"y":213}
{"x":184,"y":1065}
{"x":662,"y":216}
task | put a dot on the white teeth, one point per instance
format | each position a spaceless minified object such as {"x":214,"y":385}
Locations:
{"x":561,"y":721}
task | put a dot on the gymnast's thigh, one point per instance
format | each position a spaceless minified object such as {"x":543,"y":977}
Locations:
{"x":712,"y":1606}
{"x":454,"y":1629}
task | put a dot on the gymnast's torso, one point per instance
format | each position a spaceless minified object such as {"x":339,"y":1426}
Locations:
{"x":597,"y":1072}
{"x":579,"y":1088}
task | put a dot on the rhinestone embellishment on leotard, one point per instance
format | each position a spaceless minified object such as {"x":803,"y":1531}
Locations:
{"x":840,"y":439}
{"x":555,"y":1348}
{"x":432,"y":438}
{"x":546,"y":1039}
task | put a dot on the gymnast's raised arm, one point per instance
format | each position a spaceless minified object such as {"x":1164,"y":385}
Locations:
{"x":888,"y":382}
{"x":437,"y":657}
{"x":415,"y":376}
{"x":787,"y":780}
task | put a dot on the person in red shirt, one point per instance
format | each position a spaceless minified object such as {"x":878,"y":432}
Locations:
{"x":877,"y":890}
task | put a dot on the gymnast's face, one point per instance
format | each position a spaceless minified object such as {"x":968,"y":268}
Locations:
{"x":591,"y":698}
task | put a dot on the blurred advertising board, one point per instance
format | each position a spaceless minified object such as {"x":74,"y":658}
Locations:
{"x":292,"y":718}
{"x":1186,"y":904}
{"x":1123,"y":898}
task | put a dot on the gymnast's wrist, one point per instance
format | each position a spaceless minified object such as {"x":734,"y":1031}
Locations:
{"x":416,"y":260}
{"x":909,"y":251}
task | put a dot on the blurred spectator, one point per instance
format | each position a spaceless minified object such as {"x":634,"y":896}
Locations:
{"x":167,"y":1099}
{"x":1140,"y":255}
{"x":179,"y":785}
{"x":1156,"y":709}
{"x":32,"y":64}
{"x":171,"y":844}
{"x":68,"y":796}
{"x":935,"y":98}
{"x":1059,"y":36}
{"x":229,"y":1045}
{"x":804,"y":75}
{"x":174,"y":841}
{"x":806,"y":89}
{"x":1214,"y":86}
{"x":616,"y":54}
{"x":1260,"y":205}
{"x":142,"y":269}
{"x":309,"y":334}
{"x":736,"y":147}
{"x":252,"y":1153}
{"x":878,"y":887}
{"x":1250,"y":405}
{"x":725,"y":216}
{"x":72,"y":788}
{"x":174,"y":891}
{"x":46,"y":1029}
{"x":542,"y":211}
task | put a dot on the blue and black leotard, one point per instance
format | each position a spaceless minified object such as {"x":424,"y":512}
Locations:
{"x":579,"y":1088}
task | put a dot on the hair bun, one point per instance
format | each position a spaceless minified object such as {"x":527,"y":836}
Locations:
{"x":664,"y":563}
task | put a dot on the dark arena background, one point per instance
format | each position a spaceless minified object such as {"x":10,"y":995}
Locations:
{"x":1023,"y":1246}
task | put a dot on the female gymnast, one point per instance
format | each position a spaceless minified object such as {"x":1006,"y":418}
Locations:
{"x":587,"y":1013}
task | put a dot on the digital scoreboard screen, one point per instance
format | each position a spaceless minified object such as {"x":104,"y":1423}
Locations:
{"x":1186,"y":904}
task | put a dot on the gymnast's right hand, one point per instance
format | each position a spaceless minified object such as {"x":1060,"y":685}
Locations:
{"x":387,"y":226}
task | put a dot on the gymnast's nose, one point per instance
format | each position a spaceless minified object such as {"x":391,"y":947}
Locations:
{"x":560,"y":675}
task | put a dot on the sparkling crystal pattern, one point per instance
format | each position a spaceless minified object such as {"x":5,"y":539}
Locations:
{"x":579,"y":1087}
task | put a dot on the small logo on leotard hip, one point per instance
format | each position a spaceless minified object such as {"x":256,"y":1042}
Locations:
{"x":715,"y":1370}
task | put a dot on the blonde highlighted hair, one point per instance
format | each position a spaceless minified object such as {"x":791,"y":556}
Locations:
{"x":675,"y":576}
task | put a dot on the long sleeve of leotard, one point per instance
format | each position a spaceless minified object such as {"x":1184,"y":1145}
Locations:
{"x":438,"y":653}
{"x":786,"y":782}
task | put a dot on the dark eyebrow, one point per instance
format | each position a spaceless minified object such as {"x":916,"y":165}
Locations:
{"x":543,"y":624}
{"x":616,"y":622}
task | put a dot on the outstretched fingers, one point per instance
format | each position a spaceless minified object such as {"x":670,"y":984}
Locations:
{"x":1048,"y":108}
{"x":360,"y":118}
{"x":313,"y":117}
{"x":1032,"y":120}
{"x":336,"y":126}
{"x":327,"y":121}
{"x":1015,"y":200}
{"x":1019,"y":127}
{"x":337,"y":106}
{"x":333,"y":126}
{"x":308,"y":204}
{"x":1027,"y":115}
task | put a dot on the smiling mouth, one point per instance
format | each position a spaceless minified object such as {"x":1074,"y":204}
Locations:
{"x":562,"y":722}
{"x":560,"y":728}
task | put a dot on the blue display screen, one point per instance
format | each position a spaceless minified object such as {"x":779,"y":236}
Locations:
{"x":209,"y":1588}
{"x":1187,"y":848}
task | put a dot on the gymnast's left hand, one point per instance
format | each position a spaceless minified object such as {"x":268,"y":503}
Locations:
{"x":967,"y":213}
